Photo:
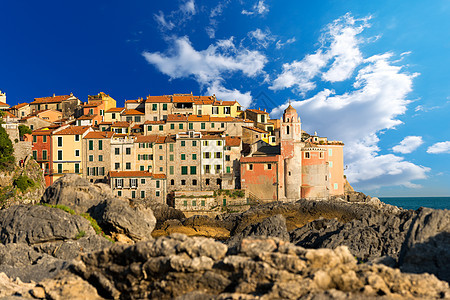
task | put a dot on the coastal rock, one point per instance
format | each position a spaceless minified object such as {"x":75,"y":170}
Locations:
{"x":201,"y":268}
{"x":427,"y":245}
{"x":163,"y":212}
{"x":76,"y":192}
{"x":9,"y":287}
{"x":116,"y":216}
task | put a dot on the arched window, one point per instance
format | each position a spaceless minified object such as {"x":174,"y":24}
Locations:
{"x":287,"y":129}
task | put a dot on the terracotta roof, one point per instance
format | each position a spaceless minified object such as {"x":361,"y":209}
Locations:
{"x":146,"y":138}
{"x":232,"y":141}
{"x":42,"y":132}
{"x":259,"y":159}
{"x":222,"y":119}
{"x":121,"y":124}
{"x":154,"y":122}
{"x":135,"y":174}
{"x":8,"y":114}
{"x":105,"y":123}
{"x":132,"y":112}
{"x":4,"y":104}
{"x":161,"y":139}
{"x":86,"y":105}
{"x":257,"y":111}
{"x":17,"y":106}
{"x":255,"y":129}
{"x":115,"y":109}
{"x":54,"y":99}
{"x":99,"y":135}
{"x":158,"y":99}
{"x":182,"y":98}
{"x":72,"y":130}
{"x":87,"y":117}
{"x":290,"y":109}
{"x":176,"y":118}
{"x":198,"y":118}
{"x":133,"y":101}
{"x":224,"y":103}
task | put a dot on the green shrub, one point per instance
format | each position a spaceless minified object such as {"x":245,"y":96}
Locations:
{"x":6,"y":151}
{"x":80,"y":234}
{"x":24,"y":129}
{"x":23,"y":182}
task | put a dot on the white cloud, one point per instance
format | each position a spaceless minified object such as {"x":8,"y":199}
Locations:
{"x":262,"y":38}
{"x":188,"y":7}
{"x":223,"y":93}
{"x":355,"y":117}
{"x":408,"y":144}
{"x":442,"y":147}
{"x":339,"y":45}
{"x":162,"y":22}
{"x":259,"y":8}
{"x":280,"y":44}
{"x":208,"y":67}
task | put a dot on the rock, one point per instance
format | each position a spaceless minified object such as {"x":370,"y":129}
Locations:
{"x":116,"y":216}
{"x":274,"y":226}
{"x":427,"y":245}
{"x":76,"y":192}
{"x":10,"y":287}
{"x":180,"y":267}
{"x":163,"y":212}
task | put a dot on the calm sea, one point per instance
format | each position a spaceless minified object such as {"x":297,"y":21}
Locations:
{"x":416,"y":202}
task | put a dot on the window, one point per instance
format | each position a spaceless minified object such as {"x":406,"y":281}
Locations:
{"x":133,"y":194}
{"x":207,"y":181}
{"x":35,"y":154}
{"x":183,"y":156}
{"x":154,"y":106}
{"x":113,"y":115}
{"x":157,"y":193}
{"x":287,"y":129}
{"x":222,"y":125}
{"x":44,"y":139}
{"x":172,"y":182}
{"x":161,"y":128}
{"x":129,"y":119}
{"x":157,"y":184}
{"x":184,"y":170}
{"x":91,"y":157}
{"x":128,"y":166}
{"x":77,"y":137}
{"x":171,"y":147}
{"x":127,"y":151}
{"x":60,"y":169}
{"x":149,"y":128}
{"x":335,"y":186}
{"x":228,"y":170}
{"x":142,"y":194}
{"x":44,"y":154}
{"x":320,"y":154}
{"x":219,"y":143}
{"x":185,"y":202}
{"x":172,"y":126}
{"x":212,"y":125}
{"x":137,"y":119}
{"x":250,"y":167}
{"x":218,"y":155}
{"x":91,"y":145}
{"x":307,"y":155}
{"x":191,"y":125}
{"x":227,"y":110}
{"x":330,"y":152}
{"x":206,"y":155}
{"x":194,"y":143}
{"x":160,"y":157}
{"x":116,"y":166}
{"x":60,"y":155}
{"x":133,"y":182}
{"x":180,"y":126}
{"x":100,"y":158}
{"x":119,"y":193}
{"x":203,"y":202}
{"x":161,"y":169}
{"x":207,"y":169}
{"x":141,"y":168}
{"x":77,"y":168}
{"x":193,"y":170}
{"x":215,"y":110}
{"x":116,"y":151}
{"x":60,"y":141}
{"x":102,"y":112}
{"x":202,"y":125}
{"x":205,"y":143}
{"x":227,"y":158}
{"x":218,"y":168}
{"x":91,"y":111}
{"x":165,"y":106}
{"x":194,"y":181}
{"x":171,"y":157}
{"x":183,"y":143}
{"x":102,"y":171}
{"x":183,"y":182}
{"x":194,"y":156}
{"x":142,"y":180}
{"x":269,"y":166}
{"x":77,"y":152}
{"x":330,"y":164}
{"x":100,"y":145}
{"x":171,"y":172}
{"x":194,"y":202}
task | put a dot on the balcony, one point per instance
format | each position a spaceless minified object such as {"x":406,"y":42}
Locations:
{"x":55,"y":171}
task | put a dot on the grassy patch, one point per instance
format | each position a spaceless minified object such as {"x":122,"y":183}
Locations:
{"x":23,"y":182}
{"x":80,"y":234}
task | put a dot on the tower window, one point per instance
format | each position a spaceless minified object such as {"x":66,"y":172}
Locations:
{"x":287,"y":130}
{"x":307,"y":155}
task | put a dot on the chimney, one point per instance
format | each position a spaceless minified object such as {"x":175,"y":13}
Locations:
{"x":53,"y":95}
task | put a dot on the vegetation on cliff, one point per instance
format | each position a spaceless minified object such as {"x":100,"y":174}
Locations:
{"x":6,"y":151}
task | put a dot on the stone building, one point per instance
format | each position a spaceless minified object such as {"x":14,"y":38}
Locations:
{"x":21,"y":110}
{"x":67,"y":104}
{"x":138,"y":184}
{"x":42,"y":152}
{"x":97,"y":156}
{"x":122,"y":153}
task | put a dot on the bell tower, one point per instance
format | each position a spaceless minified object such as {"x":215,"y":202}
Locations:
{"x":291,"y":150}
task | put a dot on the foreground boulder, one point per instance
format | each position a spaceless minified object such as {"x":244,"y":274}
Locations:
{"x":201,"y":268}
{"x":76,"y":192}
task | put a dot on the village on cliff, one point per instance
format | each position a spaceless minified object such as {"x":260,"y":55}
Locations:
{"x":195,"y":153}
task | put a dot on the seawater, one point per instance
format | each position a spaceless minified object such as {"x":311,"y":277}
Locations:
{"x":416,"y":202}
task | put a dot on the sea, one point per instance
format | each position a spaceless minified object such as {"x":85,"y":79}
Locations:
{"x":416,"y":202}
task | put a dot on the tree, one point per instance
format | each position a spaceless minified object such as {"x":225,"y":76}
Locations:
{"x":6,"y":151}
{"x":23,"y":129}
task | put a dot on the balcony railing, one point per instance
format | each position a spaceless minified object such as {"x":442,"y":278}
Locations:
{"x":56,"y":171}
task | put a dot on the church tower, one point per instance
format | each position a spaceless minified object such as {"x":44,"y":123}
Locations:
{"x":291,"y":150}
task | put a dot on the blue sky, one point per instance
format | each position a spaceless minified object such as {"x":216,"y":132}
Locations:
{"x":373,"y":74}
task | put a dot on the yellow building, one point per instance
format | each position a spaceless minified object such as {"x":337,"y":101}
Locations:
{"x":108,"y":101}
{"x":67,"y":150}
{"x":113,"y":114}
{"x":226,"y":109}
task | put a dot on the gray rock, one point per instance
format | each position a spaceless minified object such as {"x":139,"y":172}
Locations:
{"x":116,"y":215}
{"x":163,"y":213}
{"x":76,"y":192}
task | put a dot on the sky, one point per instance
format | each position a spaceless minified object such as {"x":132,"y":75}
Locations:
{"x":373,"y":74}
